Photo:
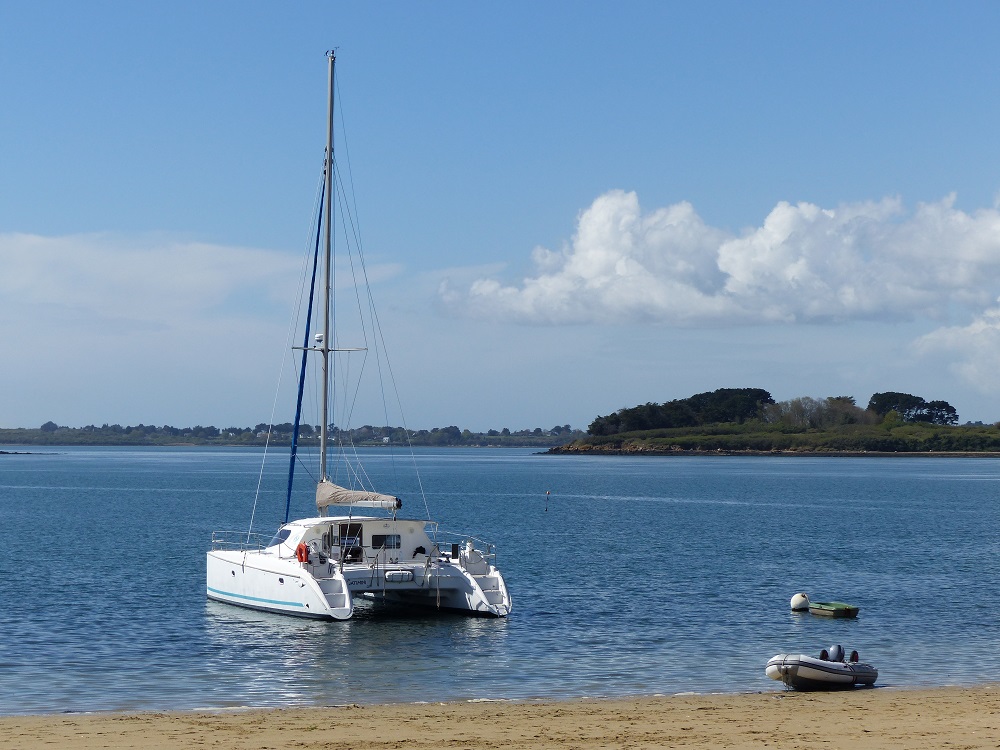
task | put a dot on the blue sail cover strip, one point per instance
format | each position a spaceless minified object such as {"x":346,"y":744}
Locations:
{"x":302,"y":369}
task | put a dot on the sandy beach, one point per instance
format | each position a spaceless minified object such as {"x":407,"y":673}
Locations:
{"x":877,"y":718}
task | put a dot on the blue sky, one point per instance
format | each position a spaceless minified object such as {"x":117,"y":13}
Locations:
{"x":568,"y":207}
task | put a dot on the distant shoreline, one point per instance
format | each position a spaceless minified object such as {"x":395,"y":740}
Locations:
{"x":277,"y":443}
{"x":381,"y":446}
{"x":50,"y":434}
{"x":570,"y":451}
{"x":634,"y":451}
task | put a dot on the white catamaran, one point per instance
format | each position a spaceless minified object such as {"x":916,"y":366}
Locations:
{"x":317,"y":567}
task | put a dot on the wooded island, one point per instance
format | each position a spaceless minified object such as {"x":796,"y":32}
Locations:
{"x":749,"y":420}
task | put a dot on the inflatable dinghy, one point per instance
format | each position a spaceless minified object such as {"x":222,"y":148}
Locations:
{"x":831,"y":671}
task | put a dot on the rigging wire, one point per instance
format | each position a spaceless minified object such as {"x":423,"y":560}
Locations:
{"x":378,"y":335}
{"x":289,"y":338}
{"x":345,"y":380}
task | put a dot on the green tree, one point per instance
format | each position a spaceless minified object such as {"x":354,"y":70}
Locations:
{"x":941,"y":412}
{"x":722,"y":405}
{"x":891,"y":420}
{"x":913,"y":408}
{"x":907,"y":406}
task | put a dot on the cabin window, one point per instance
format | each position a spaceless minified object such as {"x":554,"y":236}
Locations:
{"x":281,"y":536}
{"x":350,"y":542}
{"x":350,"y":535}
{"x":386,"y":541}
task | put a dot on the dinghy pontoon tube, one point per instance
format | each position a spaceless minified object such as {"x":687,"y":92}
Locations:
{"x":829,"y":672}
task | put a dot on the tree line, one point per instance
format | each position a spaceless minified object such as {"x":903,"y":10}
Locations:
{"x":739,"y":405}
{"x":51,"y":433}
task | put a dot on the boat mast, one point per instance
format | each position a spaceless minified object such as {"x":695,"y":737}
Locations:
{"x":327,"y":232}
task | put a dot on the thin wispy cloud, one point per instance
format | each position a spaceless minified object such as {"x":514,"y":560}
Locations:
{"x":804,"y":264}
{"x":148,"y":326}
{"x":149,"y":279}
{"x":972,"y":351}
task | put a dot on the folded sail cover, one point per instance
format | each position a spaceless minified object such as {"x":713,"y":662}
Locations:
{"x":328,"y":493}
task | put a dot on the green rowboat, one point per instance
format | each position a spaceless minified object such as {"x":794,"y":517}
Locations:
{"x":833,"y":609}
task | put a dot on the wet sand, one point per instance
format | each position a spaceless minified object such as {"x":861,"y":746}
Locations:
{"x":873,"y":718}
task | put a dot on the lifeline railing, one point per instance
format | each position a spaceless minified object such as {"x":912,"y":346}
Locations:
{"x":487,"y":549}
{"x":239,"y":541}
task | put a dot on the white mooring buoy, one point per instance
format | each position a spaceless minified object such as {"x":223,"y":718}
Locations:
{"x":800,"y":602}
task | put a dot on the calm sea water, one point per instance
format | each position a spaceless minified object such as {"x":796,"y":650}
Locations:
{"x":635,"y":576}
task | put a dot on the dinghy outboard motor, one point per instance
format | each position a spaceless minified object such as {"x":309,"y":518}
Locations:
{"x":837,"y":653}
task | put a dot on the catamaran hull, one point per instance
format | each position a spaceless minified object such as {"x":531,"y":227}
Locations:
{"x":457,"y":593}
{"x":273,"y":584}
{"x":326,"y":591}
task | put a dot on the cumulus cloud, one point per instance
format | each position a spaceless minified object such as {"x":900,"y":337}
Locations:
{"x":861,"y":261}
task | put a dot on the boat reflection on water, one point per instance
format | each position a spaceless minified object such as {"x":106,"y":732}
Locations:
{"x":382,"y":654}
